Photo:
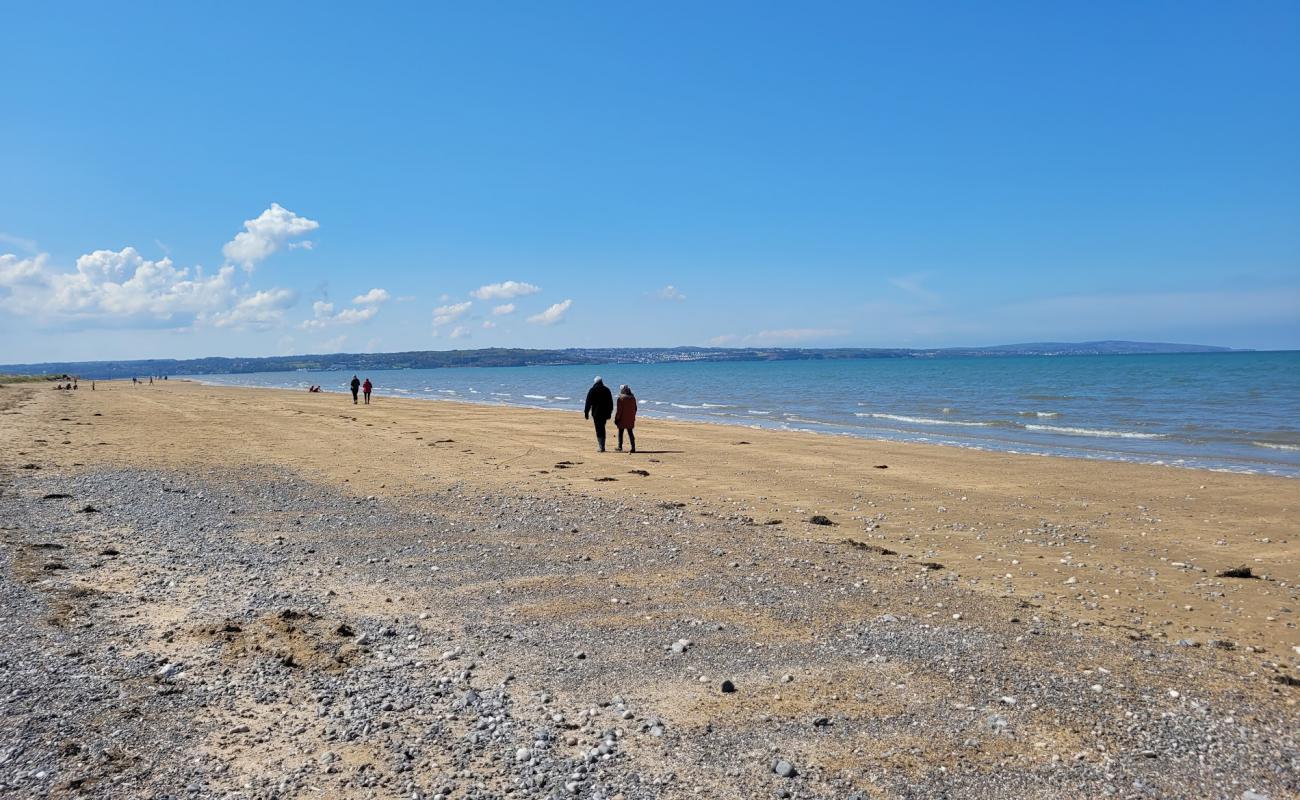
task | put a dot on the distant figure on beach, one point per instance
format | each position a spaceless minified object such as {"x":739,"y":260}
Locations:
{"x":134,"y":381}
{"x":356,"y":385}
{"x":365,"y":389}
{"x":625,"y":416}
{"x":313,"y":388}
{"x":600,"y":405}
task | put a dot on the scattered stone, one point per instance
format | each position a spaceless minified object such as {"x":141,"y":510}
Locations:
{"x":783,"y":768}
{"x":1238,"y":572}
{"x":820,"y":519}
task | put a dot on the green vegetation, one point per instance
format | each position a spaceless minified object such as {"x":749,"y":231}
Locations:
{"x":17,"y":378}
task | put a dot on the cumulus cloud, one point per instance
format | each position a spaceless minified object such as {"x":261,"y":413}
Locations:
{"x":372,"y":297}
{"x":271,"y":230}
{"x":261,"y":310}
{"x":450,"y":313}
{"x":502,"y":310}
{"x":505,"y":290}
{"x":123,"y":287}
{"x":552,"y":315}
{"x":488,"y":324}
{"x":113,"y":283}
{"x":364,"y":307}
{"x":459,"y":332}
{"x":670,"y":292}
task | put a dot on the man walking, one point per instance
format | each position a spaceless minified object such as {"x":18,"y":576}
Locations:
{"x":356,"y":386}
{"x":599,"y":407}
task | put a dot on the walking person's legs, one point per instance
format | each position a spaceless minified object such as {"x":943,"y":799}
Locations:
{"x":631,"y":439}
{"x":600,"y":433}
{"x":354,"y":397}
{"x":620,"y":438}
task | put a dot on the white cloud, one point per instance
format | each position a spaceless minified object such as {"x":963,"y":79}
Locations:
{"x":459,"y":332}
{"x":261,"y":310}
{"x":351,"y":316}
{"x":264,"y":235}
{"x":372,"y":297}
{"x":333,"y":345}
{"x":365,"y":307}
{"x":502,"y":310}
{"x":121,"y":285}
{"x":505,"y":290}
{"x":670,"y":292}
{"x":450,"y":313}
{"x":15,"y":271}
{"x":552,"y":315}
{"x":488,"y":324}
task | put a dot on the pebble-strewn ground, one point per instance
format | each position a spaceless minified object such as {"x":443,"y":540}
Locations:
{"x":252,"y":634}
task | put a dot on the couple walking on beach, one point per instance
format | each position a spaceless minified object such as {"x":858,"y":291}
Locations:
{"x":600,"y":404}
{"x":365,"y":387}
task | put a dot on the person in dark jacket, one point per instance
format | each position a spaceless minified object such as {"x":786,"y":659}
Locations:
{"x":599,"y":407}
{"x":625,"y":416}
{"x":356,"y":387}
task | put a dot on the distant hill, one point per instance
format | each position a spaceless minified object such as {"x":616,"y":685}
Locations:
{"x":511,"y":357}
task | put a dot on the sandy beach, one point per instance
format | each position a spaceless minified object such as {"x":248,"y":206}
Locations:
{"x":425,"y":599}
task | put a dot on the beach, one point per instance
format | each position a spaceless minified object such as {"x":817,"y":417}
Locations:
{"x":411,"y":598}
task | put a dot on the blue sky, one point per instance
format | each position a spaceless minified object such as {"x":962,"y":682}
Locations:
{"x":853,"y":174}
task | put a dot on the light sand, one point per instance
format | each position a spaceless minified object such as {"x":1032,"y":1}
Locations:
{"x":1141,"y":544}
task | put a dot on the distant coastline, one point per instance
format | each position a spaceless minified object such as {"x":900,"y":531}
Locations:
{"x":516,"y":357}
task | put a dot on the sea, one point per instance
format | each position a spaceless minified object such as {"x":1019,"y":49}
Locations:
{"x":1236,"y":412}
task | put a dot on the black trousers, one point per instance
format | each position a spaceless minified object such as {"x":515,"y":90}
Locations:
{"x":631,"y":438}
{"x":354,"y":397}
{"x":600,"y":430}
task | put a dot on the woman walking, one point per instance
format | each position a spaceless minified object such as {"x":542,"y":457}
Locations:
{"x":625,"y":416}
{"x":365,"y":389}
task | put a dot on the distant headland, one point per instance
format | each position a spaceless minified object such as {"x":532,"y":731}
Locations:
{"x":516,"y":357}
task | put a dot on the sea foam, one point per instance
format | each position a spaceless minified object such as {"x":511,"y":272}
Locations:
{"x":1095,"y":432}
{"x":924,"y":420}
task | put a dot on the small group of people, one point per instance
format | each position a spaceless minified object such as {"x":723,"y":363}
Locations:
{"x":601,"y":405}
{"x":315,"y":388}
{"x":365,"y":388}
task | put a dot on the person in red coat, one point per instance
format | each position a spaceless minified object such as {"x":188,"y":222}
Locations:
{"x":366,"y":387}
{"x":625,"y":416}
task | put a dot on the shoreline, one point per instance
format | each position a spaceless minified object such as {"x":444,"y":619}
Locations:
{"x":906,"y":438}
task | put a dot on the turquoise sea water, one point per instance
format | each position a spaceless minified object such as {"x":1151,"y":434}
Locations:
{"x":1230,"y":411}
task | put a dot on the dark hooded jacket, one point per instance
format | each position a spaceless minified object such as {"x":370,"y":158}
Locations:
{"x":600,"y":402}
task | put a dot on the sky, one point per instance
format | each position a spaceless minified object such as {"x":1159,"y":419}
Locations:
{"x":242,"y":179}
